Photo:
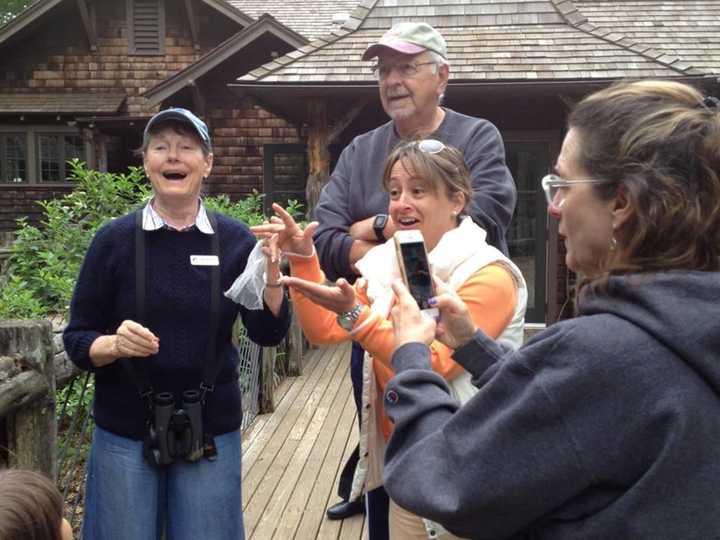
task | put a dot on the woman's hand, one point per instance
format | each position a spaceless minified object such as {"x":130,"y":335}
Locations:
{"x":273,"y":294}
{"x":130,"y":340}
{"x":339,"y":298}
{"x":409,"y":323}
{"x":291,"y":238}
{"x":456,"y":326}
{"x":133,"y":339}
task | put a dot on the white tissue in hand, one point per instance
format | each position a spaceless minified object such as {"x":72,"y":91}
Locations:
{"x":247,"y":289}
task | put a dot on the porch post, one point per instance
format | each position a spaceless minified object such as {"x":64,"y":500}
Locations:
{"x":317,"y":149}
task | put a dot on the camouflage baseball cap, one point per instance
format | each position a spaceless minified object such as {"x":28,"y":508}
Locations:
{"x":409,"y":38}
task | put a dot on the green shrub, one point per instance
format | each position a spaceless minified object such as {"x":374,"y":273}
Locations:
{"x":45,"y":260}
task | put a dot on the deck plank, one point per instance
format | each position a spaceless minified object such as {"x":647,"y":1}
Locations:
{"x":271,"y":478}
{"x":255,"y":439}
{"x":286,"y":498}
{"x":334,"y":529}
{"x":292,"y":458}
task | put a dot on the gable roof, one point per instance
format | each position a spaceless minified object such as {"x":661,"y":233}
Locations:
{"x":499,"y":40}
{"x":311,"y":19}
{"x":266,"y":24}
{"x":36,"y":10}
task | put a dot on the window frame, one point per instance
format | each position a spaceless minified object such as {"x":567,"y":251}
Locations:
{"x":3,"y":162}
{"x":32,"y":156}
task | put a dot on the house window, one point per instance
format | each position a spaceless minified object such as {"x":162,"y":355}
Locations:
{"x":13,"y":165}
{"x":54,"y":150}
{"x":285,"y":173}
{"x":36,"y":154}
{"x":146,"y":26}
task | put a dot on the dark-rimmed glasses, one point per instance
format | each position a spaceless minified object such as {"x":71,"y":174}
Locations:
{"x":555,"y":189}
{"x":406,"y":70}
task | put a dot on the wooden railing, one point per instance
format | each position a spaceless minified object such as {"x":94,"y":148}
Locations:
{"x":27,"y":395}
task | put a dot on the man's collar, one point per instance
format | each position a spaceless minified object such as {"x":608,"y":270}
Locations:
{"x":152,"y":221}
{"x":424,"y":135}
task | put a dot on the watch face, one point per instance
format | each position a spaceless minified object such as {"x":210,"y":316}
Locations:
{"x":380,"y":221}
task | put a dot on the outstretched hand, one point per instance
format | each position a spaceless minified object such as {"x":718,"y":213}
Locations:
{"x":409,"y":323}
{"x":290,"y":236}
{"x":339,"y":298}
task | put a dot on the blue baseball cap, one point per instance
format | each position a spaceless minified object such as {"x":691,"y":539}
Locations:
{"x":183,"y":116}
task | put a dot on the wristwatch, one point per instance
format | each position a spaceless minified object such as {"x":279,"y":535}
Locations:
{"x":348,"y":319}
{"x":379,"y":226}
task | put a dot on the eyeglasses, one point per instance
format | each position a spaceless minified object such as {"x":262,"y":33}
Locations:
{"x":406,"y":71}
{"x":429,"y":146}
{"x":555,"y":189}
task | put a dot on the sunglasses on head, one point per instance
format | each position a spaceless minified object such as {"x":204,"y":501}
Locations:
{"x":428,"y":146}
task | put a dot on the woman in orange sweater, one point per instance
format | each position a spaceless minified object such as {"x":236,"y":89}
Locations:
{"x":429,"y":188}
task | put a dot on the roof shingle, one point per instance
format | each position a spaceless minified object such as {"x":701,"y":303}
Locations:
{"x":61,"y":103}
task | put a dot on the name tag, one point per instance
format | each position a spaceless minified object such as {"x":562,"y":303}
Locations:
{"x":204,"y":260}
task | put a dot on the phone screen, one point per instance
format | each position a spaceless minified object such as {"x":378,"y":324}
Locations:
{"x":417,"y":273}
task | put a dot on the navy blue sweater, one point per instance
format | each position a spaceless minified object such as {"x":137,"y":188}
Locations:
{"x":177,"y":311}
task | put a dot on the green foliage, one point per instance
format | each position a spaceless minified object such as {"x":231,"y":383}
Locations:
{"x":45,"y":260}
{"x":250,"y":209}
{"x":74,"y":400}
{"x":10,"y":8}
{"x":247,"y":210}
{"x":18,"y":302}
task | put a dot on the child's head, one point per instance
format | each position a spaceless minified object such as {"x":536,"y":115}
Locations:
{"x":31,"y":507}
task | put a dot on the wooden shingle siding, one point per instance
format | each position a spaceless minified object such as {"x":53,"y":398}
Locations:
{"x":146,"y":23}
{"x":239,"y":130}
{"x":69,"y":67}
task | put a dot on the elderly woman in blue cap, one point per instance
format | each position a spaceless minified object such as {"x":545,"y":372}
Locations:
{"x":149,"y":318}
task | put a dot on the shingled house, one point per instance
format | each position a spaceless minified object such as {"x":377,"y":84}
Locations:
{"x":283,"y":89}
{"x":74,"y":74}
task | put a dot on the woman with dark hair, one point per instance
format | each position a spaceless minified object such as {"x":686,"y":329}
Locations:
{"x":149,"y":319}
{"x":429,"y":188}
{"x":606,"y":425}
{"x":31,"y":508}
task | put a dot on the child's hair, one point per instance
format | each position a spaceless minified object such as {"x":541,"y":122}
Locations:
{"x":30,"y":506}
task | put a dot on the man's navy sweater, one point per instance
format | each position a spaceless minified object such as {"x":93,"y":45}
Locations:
{"x":177,"y":311}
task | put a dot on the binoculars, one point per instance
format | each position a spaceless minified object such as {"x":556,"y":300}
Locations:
{"x":174,"y":433}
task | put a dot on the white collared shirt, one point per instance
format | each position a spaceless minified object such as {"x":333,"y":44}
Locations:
{"x":152,"y":221}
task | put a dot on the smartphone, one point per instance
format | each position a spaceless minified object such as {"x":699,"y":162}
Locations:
{"x":415,"y":269}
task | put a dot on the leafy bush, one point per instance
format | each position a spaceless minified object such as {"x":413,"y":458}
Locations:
{"x":45,"y":260}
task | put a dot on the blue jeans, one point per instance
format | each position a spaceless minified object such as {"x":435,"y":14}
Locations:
{"x":127,"y":499}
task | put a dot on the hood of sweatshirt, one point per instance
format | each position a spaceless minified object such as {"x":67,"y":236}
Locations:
{"x":680,"y":309}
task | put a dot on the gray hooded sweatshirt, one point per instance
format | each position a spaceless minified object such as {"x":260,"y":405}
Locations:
{"x":606,"y":426}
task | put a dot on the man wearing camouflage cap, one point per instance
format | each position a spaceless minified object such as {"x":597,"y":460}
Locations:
{"x":412,"y":70}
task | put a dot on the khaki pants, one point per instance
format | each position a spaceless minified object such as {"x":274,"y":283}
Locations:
{"x":407,"y":526}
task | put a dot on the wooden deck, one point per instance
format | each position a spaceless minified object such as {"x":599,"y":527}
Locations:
{"x":292,"y":457}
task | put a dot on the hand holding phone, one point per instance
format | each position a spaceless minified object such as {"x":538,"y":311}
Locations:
{"x":415,"y":269}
